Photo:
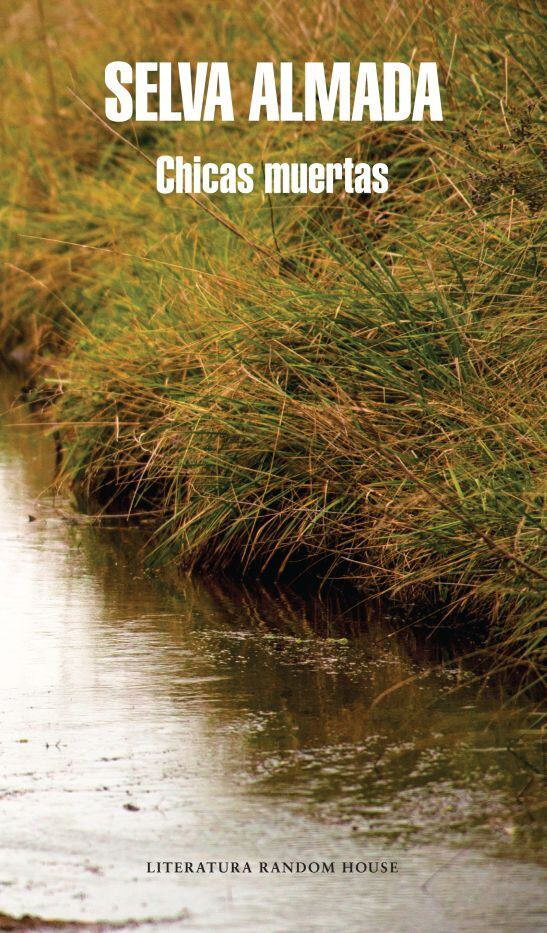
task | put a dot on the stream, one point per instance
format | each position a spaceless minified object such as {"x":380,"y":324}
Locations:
{"x":145,"y":719}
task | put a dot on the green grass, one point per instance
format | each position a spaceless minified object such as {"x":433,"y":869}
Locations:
{"x":349,"y":385}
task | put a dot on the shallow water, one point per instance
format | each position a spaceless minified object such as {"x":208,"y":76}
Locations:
{"x":142,"y":721}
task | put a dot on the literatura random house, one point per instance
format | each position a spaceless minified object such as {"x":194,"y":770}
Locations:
{"x":272,"y":868}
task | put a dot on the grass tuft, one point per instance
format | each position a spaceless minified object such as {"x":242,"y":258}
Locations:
{"x":346,"y":384}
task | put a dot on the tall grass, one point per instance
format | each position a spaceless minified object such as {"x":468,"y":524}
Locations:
{"x":347,"y":385}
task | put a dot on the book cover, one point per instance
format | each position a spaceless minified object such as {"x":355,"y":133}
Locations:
{"x":272,"y":466}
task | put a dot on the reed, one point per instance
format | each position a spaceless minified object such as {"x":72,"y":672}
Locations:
{"x":342,"y":385}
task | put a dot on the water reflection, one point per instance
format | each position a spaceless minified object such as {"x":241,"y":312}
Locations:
{"x":145,"y":719}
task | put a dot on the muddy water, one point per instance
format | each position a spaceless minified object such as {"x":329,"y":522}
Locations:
{"x":142,"y":721}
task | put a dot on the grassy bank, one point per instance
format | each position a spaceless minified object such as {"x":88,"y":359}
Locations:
{"x":341,"y":383}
